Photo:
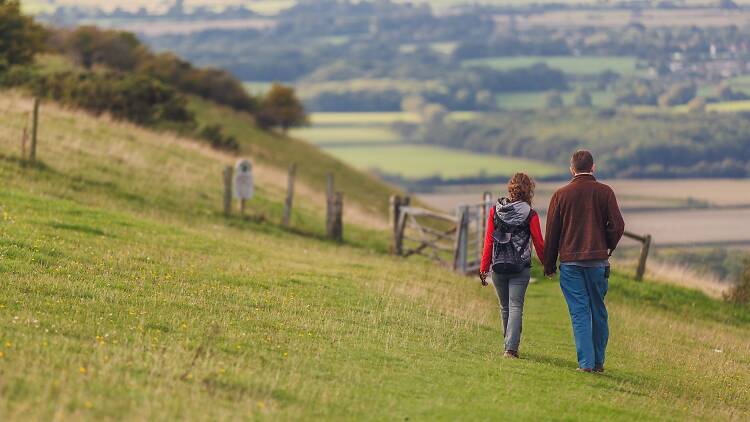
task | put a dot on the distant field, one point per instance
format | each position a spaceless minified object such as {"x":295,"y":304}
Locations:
{"x":535,"y":100}
{"x":361,"y":119}
{"x":378,"y":118}
{"x":366,"y":141}
{"x":722,"y":107}
{"x":417,"y":161}
{"x":702,"y":17}
{"x":321,"y":135}
{"x":568,"y":64}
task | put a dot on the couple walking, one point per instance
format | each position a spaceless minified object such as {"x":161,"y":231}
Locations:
{"x":584,"y":226}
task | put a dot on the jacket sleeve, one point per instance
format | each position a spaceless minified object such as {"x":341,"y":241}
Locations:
{"x":536,"y":237}
{"x":487,"y":252}
{"x":615,"y":223}
{"x":552,"y":245}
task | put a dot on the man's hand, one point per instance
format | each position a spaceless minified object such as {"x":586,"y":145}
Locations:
{"x":483,"y":277}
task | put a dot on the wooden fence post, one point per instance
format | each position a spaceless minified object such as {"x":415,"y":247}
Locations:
{"x":641,"y":271}
{"x":399,"y":235}
{"x":337,"y":223}
{"x":394,"y":212}
{"x":289,"y":196}
{"x":34,"y":130}
{"x":228,"y":170}
{"x":462,"y":238}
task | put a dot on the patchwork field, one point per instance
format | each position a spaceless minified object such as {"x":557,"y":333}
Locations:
{"x":418,"y":161}
{"x":537,"y":100}
{"x":568,"y":64}
{"x":366,"y":141}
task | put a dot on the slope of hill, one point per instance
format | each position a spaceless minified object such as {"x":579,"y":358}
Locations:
{"x":126,"y":295}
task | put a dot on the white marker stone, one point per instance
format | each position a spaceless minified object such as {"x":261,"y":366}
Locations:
{"x":243,"y":180}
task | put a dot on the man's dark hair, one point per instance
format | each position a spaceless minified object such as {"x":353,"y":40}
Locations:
{"x":582,"y":161}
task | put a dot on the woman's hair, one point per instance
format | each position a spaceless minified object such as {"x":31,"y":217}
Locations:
{"x":521,"y":188}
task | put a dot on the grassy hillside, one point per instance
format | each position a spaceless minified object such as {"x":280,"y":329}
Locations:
{"x":280,"y":151}
{"x":126,"y":295}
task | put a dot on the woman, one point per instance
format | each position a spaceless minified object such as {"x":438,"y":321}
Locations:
{"x":511,"y":228}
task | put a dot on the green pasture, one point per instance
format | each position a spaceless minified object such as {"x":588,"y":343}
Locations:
{"x":361,"y":119}
{"x":376,"y":118}
{"x":537,"y":100}
{"x":590,"y":65}
{"x":346,"y":135}
{"x":420,"y":161}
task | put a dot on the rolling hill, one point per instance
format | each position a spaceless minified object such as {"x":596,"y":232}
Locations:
{"x":126,"y":295}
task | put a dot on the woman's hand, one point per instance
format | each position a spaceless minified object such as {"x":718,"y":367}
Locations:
{"x":483,"y":277}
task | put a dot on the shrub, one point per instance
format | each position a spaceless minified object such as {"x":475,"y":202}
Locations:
{"x":134,"y":97}
{"x":214,"y":134}
{"x":281,"y":108}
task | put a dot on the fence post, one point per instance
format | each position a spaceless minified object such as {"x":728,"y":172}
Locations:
{"x":337,"y":223}
{"x":289,"y":196}
{"x":641,"y":271}
{"x":228,"y":170}
{"x":399,"y":236}
{"x":34,"y":130}
{"x":459,"y":262}
{"x":394,"y":212}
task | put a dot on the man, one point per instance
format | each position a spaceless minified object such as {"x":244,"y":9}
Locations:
{"x":584,"y":226}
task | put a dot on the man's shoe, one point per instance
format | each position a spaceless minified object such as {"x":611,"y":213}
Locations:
{"x":585,"y":370}
{"x":512,"y":354}
{"x":599,"y":369}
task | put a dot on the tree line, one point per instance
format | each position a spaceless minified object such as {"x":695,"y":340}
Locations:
{"x":628,"y":145}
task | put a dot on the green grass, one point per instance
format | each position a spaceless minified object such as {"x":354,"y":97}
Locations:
{"x":537,"y":100}
{"x":584,"y":65}
{"x":331,"y":136}
{"x":420,"y":161}
{"x":126,"y":295}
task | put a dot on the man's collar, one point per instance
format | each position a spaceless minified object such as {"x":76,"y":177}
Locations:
{"x":584,"y":175}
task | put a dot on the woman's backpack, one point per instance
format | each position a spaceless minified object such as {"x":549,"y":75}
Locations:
{"x":510,"y":246}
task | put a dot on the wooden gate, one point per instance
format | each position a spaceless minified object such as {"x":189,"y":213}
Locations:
{"x":453,"y":240}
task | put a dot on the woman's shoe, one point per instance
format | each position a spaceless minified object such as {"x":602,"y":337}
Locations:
{"x":512,"y":354}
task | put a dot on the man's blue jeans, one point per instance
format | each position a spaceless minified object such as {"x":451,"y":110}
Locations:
{"x":584,"y":289}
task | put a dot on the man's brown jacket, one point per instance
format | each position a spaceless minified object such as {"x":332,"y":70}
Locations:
{"x":583,"y":223}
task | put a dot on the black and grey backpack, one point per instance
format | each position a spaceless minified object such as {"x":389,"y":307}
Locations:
{"x":511,"y":251}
